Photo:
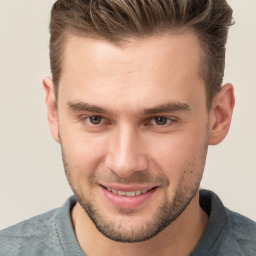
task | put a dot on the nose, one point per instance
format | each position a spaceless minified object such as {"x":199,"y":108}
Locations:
{"x":126,"y":153}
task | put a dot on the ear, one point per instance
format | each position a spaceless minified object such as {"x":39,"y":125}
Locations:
{"x":51,"y":105}
{"x":221,"y":114}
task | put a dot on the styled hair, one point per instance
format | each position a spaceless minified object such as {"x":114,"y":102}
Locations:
{"x":119,"y":20}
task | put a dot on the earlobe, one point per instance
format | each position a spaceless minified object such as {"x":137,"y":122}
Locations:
{"x":51,"y":105}
{"x":221,"y":114}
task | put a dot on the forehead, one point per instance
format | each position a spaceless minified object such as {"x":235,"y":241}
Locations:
{"x":176,"y":45}
{"x":160,"y":65}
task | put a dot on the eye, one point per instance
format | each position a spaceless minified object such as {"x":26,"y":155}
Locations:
{"x":160,"y":120}
{"x":95,"y":120}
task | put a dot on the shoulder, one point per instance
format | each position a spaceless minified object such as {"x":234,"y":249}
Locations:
{"x":227,"y":232}
{"x":29,"y":235}
{"x":48,"y":234}
{"x":243,"y":230}
{"x":33,"y":226}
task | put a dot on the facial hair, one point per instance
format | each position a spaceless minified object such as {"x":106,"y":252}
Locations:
{"x":167,"y":212}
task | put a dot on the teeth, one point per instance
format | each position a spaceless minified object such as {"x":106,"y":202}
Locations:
{"x":121,"y":193}
{"x":138,"y":192}
{"x":129,"y":193}
{"x":114,"y":191}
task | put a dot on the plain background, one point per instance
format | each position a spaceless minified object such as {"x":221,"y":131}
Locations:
{"x":32,"y":179}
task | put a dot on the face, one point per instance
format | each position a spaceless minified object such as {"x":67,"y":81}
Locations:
{"x":133,"y":127}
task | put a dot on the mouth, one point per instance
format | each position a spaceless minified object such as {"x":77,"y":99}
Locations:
{"x":128,"y":198}
{"x":128,"y":193}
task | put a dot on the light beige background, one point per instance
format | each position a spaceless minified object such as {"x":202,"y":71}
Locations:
{"x":32,"y":179}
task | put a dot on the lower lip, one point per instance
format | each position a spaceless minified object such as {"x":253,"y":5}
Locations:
{"x":128,"y":202}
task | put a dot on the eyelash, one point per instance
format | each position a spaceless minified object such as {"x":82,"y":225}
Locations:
{"x":167,"y":119}
{"x":148,"y":121}
{"x":86,"y":119}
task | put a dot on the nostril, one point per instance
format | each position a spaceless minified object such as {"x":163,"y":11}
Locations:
{"x":124,"y":165}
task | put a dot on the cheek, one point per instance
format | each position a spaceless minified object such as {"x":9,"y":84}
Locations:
{"x":178,"y":153}
{"x":171,"y":155}
{"x":84,"y":153}
{"x":181,"y":160}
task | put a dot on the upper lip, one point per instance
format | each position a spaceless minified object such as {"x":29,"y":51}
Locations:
{"x":129,"y":188}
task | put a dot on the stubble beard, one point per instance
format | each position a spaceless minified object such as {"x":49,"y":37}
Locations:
{"x":167,"y":212}
{"x":165,"y":215}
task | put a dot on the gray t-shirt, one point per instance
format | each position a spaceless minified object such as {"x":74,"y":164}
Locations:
{"x":51,"y":234}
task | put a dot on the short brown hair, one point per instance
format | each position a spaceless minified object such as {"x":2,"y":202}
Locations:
{"x":117,"y":20}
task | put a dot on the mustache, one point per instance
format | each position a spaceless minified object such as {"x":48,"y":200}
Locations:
{"x":137,"y":177}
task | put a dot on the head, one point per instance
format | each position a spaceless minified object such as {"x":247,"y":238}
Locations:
{"x":117,"y":21}
{"x":135,"y":101}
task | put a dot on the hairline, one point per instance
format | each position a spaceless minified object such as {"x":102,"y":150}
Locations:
{"x":124,"y":40}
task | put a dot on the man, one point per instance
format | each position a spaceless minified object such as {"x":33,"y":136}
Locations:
{"x":135,"y":100}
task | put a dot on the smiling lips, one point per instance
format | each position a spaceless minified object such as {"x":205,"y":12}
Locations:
{"x":133,"y":198}
{"x":128,"y":193}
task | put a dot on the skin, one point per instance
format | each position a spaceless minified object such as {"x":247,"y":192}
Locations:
{"x":128,"y":86}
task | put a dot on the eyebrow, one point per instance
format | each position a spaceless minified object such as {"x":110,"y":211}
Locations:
{"x":164,"y":108}
{"x":82,"y":106}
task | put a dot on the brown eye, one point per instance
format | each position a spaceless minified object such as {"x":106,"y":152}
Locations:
{"x":161,"y":120}
{"x":95,"y":120}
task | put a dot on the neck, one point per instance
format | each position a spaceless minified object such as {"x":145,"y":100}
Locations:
{"x":179,"y":238}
